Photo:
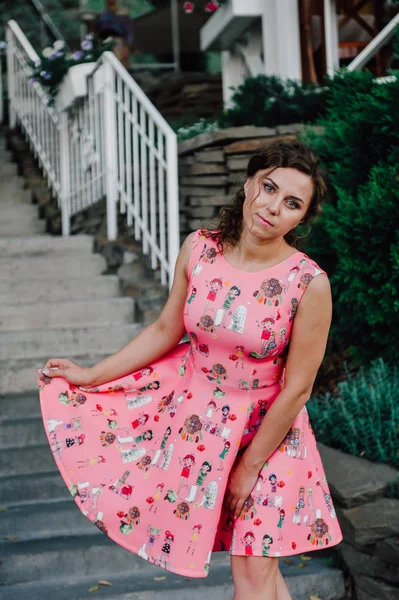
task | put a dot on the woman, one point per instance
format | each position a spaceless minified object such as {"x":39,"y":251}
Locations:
{"x":253,"y":252}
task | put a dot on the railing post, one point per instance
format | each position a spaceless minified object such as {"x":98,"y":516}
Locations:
{"x":65,"y":169}
{"x":11,"y":79}
{"x":1,"y":86}
{"x":331,"y":36}
{"x":110,"y":150}
{"x":172,"y":203}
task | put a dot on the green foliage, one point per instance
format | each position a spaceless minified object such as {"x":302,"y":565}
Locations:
{"x":357,"y":240}
{"x":27,"y":18}
{"x":270,"y":101}
{"x":263,"y":101}
{"x":363,"y":418}
{"x":187,"y":131}
{"x":393,"y":490}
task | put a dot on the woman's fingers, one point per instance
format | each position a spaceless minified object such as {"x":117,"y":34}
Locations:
{"x":238,"y":508}
{"x":55,"y":367}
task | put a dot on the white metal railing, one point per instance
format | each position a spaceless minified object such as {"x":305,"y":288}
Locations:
{"x":111,"y":143}
{"x":382,"y":38}
{"x":2,"y":53}
{"x":46,"y":21}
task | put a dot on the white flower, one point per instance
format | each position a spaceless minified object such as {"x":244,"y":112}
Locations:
{"x":47,"y":52}
{"x":58,"y":45}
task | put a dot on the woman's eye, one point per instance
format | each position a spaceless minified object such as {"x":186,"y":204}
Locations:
{"x":268,"y":187}
{"x":294,"y":204}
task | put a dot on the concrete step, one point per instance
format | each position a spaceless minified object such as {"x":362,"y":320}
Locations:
{"x":168,"y":586}
{"x":71,"y":313}
{"x":42,"y":245}
{"x":22,"y":461}
{"x":18,"y":212}
{"x":63,"y":557}
{"x":32,"y":488}
{"x":135,"y":579}
{"x":57,"y":289}
{"x":20,"y":375}
{"x":7,"y":168}
{"x":43,"y":521}
{"x":23,"y":432}
{"x":49,"y":267}
{"x":21,"y":228}
{"x":60,"y":342}
{"x":12,"y":188}
{"x":12,"y":406}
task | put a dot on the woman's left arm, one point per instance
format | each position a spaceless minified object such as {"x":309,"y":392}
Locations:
{"x":306,"y":351}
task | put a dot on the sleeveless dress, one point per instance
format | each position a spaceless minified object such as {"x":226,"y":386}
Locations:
{"x":147,"y":456}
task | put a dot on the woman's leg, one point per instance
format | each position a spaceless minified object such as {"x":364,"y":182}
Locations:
{"x":282,"y":589}
{"x":254,"y":577}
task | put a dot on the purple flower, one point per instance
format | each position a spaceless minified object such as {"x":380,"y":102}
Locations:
{"x":33,"y":80}
{"x":45,"y":75}
{"x":86,"y":45}
{"x":77,"y":55}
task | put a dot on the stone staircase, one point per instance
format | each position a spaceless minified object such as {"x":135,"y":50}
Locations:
{"x":54,"y":301}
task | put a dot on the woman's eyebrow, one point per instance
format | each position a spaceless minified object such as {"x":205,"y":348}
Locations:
{"x":276,"y":186}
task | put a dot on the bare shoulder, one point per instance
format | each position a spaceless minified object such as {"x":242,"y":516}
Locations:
{"x":185,"y":250}
{"x":317,"y":290}
{"x":315,"y":306}
{"x":186,"y":245}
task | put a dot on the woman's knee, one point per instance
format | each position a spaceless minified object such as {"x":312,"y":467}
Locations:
{"x":254,"y":573}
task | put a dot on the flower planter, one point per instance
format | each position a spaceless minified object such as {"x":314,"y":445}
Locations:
{"x":74,"y":85}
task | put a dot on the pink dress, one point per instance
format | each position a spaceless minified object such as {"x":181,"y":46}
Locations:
{"x":147,"y":456}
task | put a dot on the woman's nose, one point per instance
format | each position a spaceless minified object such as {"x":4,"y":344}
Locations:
{"x":273,"y":207}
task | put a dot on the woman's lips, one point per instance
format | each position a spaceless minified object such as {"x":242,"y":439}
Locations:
{"x":264,"y":221}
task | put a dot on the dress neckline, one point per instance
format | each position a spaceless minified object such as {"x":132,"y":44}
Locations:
{"x":261,"y":270}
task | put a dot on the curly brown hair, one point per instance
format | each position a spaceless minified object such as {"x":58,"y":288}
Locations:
{"x":286,"y":154}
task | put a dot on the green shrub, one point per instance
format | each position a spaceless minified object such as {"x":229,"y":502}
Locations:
{"x":357,"y":240}
{"x":363,"y":418}
{"x":186,"y":131}
{"x":393,"y":490}
{"x":269,"y":101}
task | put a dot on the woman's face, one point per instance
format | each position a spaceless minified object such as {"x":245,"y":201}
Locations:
{"x":282,"y":198}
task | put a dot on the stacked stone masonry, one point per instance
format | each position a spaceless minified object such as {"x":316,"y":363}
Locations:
{"x":369,"y":522}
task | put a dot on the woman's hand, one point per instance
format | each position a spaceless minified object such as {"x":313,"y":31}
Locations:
{"x":242,"y":480}
{"x":73,"y":373}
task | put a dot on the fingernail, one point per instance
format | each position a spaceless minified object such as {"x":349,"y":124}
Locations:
{"x":45,"y":371}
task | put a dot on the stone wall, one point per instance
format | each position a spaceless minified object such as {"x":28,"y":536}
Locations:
{"x":369,"y":521}
{"x":212,"y":166}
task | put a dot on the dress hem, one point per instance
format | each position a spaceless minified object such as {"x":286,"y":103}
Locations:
{"x":304,"y":550}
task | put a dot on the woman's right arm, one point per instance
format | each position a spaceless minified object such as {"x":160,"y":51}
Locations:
{"x":150,"y":344}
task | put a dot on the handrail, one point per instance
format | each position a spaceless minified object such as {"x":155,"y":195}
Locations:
{"x":108,"y":141}
{"x":23,"y":41}
{"x":138,"y":92}
{"x":382,"y":38}
{"x":47,"y":20}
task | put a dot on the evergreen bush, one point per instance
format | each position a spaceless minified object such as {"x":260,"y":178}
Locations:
{"x":262,"y":101}
{"x":267,"y":100}
{"x":363,"y":418}
{"x":357,"y":238}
